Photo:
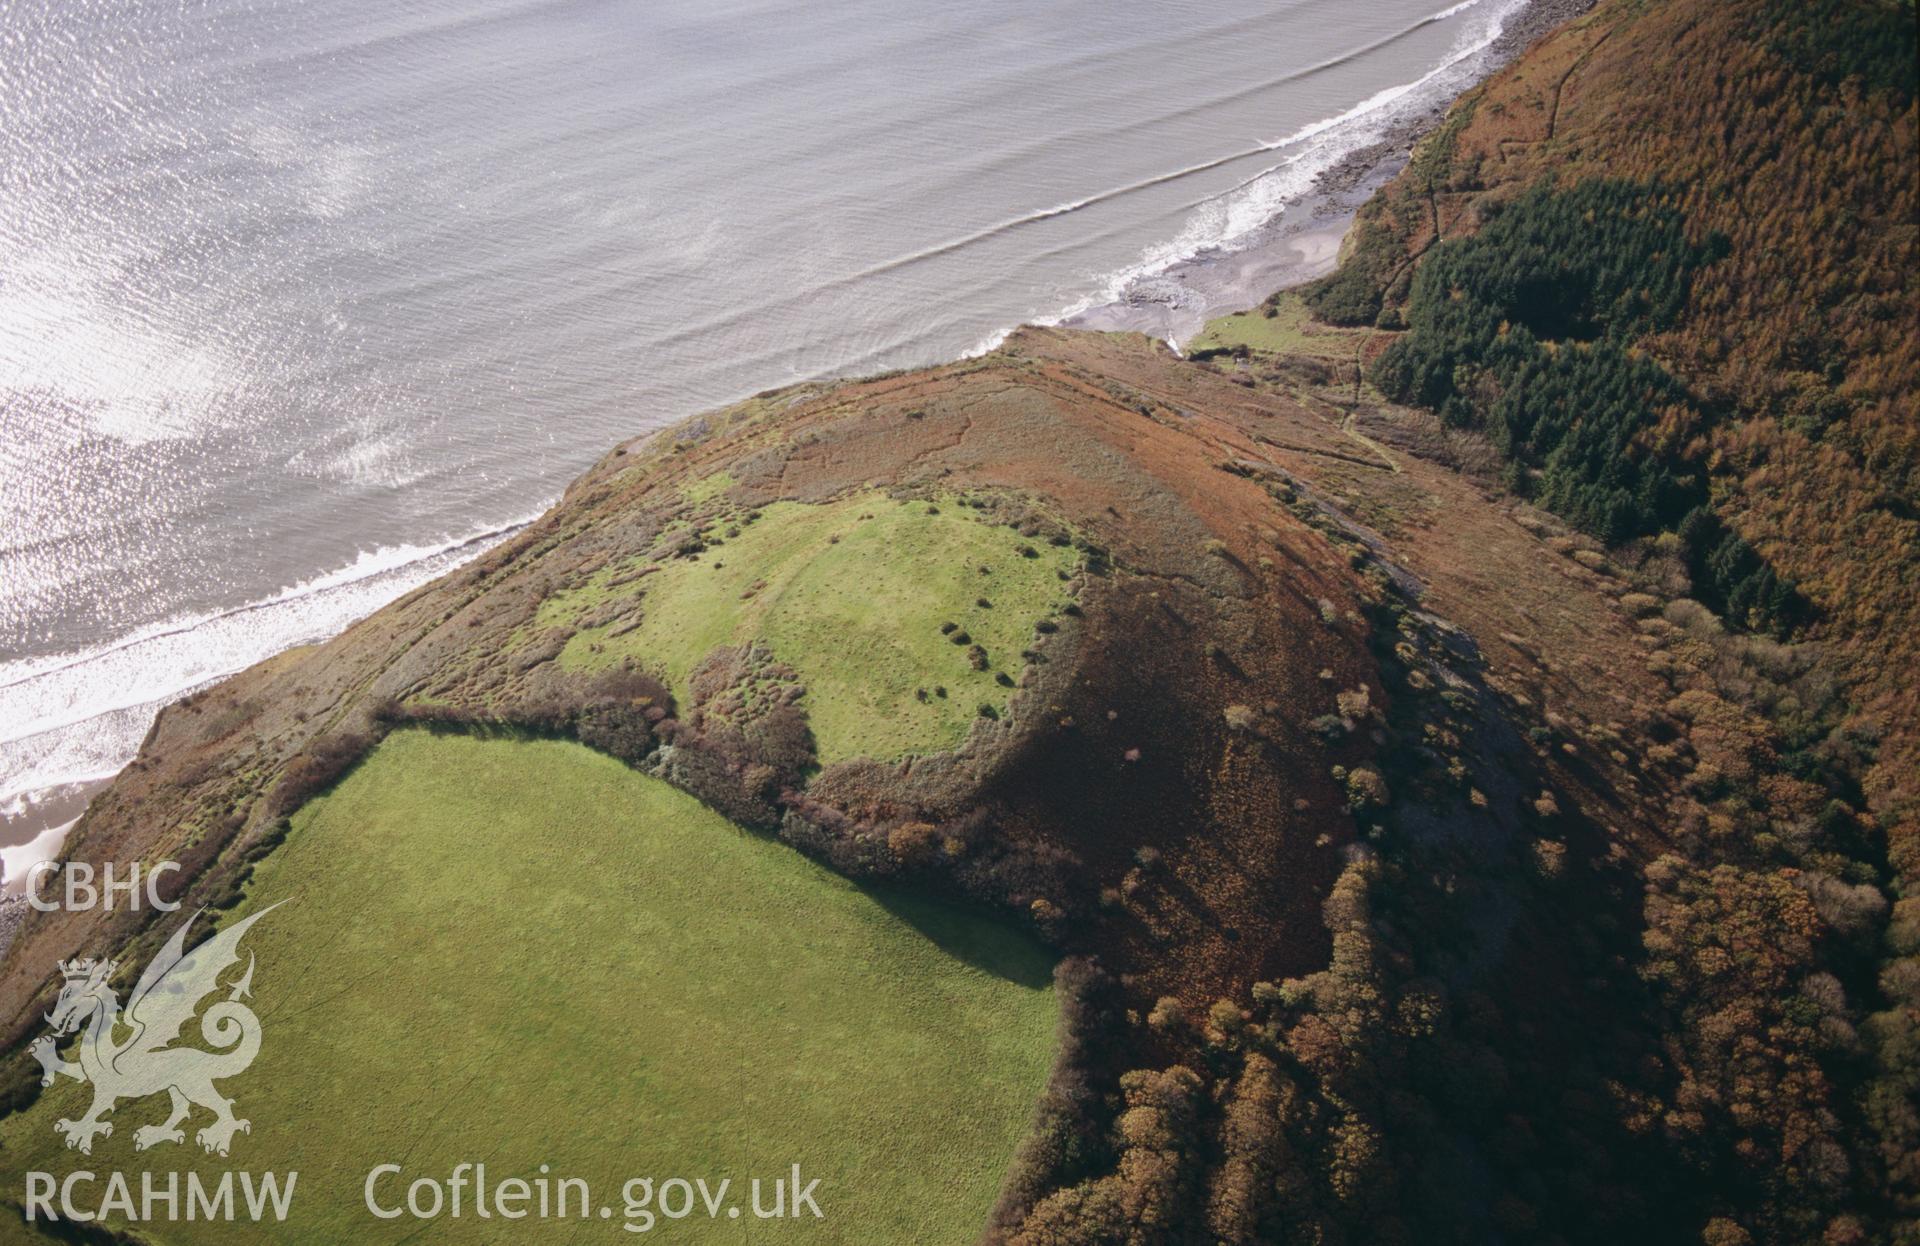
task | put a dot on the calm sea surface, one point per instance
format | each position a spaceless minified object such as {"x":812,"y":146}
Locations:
{"x":302,"y":303}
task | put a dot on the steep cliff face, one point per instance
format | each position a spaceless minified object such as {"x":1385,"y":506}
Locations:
{"x":1431,"y":863}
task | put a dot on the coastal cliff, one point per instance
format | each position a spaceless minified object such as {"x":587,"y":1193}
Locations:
{"x":1453,"y":725}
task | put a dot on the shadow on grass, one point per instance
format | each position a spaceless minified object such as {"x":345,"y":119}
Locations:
{"x":975,"y":936}
{"x":986,"y":941}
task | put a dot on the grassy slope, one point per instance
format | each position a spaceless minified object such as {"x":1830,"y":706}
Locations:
{"x":852,"y":595}
{"x":658,"y":993}
{"x":1290,"y":330}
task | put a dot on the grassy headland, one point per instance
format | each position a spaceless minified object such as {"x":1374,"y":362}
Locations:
{"x":876,"y":604}
{"x":1453,"y":871}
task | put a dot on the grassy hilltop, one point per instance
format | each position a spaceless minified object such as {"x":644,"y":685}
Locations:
{"x":1451,"y":733}
{"x":876,"y":603}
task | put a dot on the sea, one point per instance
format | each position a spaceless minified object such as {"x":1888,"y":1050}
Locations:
{"x":305,"y":302}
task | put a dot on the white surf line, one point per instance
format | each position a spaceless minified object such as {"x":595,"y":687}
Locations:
{"x":1183,"y":248}
{"x":1296,"y":75}
{"x":80,"y":717}
{"x":705,"y":328}
{"x":13,"y":674}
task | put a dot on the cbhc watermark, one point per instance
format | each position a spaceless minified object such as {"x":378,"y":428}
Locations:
{"x":81,"y":893}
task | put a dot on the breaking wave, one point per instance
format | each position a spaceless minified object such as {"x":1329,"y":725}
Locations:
{"x":79,"y":717}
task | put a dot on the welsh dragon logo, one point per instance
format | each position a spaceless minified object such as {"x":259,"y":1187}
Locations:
{"x":167,"y":996}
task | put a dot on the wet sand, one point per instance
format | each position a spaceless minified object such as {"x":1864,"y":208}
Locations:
{"x":1302,"y":244}
{"x":29,"y":835}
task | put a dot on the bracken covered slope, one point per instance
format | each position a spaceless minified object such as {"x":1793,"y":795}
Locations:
{"x":1479,"y":817}
{"x":1095,"y":725}
{"x":1784,"y":136}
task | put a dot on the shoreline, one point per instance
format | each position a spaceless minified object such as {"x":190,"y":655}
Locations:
{"x":1303,"y":242}
{"x":1298,"y":245}
{"x":308,"y":612}
{"x":38,"y":830}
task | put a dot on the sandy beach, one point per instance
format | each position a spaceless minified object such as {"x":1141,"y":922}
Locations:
{"x":34,"y":832}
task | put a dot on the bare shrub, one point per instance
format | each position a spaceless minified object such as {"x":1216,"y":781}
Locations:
{"x":318,"y":766}
{"x":1167,"y":1014}
{"x":1689,"y":614}
{"x":782,"y":738}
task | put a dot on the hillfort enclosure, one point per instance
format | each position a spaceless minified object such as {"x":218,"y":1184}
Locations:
{"x":1425,"y":754}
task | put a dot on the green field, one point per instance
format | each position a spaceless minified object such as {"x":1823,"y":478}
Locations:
{"x":852,"y":594}
{"x":1290,"y":330}
{"x":523,"y":953}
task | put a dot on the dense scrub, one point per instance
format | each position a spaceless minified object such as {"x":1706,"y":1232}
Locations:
{"x":1526,"y":330}
{"x":1523,"y":1032}
{"x":1780,"y":138}
{"x":1665,"y":266}
{"x":1702,"y":339}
